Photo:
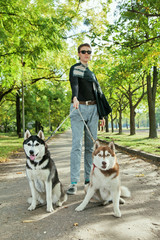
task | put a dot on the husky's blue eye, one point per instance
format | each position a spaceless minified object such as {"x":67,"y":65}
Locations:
{"x":37,"y":144}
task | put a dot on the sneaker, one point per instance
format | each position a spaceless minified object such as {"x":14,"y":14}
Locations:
{"x":72,"y":190}
{"x":86,"y":182}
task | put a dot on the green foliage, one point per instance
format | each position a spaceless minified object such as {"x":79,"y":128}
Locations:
{"x":34,"y":51}
{"x":38,"y":45}
{"x":28,"y":30}
{"x":7,"y":116}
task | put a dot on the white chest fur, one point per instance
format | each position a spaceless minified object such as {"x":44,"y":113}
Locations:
{"x":38,"y":175}
{"x":105,"y":182}
{"x":35,"y":174}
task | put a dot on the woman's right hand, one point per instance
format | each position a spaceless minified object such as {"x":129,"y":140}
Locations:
{"x":75,"y":103}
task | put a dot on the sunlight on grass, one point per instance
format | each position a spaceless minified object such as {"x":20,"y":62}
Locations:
{"x":8,"y":145}
{"x":139,"y":141}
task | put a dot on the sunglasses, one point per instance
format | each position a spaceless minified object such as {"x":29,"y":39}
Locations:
{"x":84,"y":52}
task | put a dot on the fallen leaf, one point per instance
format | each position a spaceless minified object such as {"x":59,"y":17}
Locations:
{"x":75,"y":224}
{"x":140,"y":175}
{"x":18,"y":172}
{"x":156,"y":224}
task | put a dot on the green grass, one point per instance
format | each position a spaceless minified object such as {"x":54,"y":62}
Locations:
{"x":10,"y":144}
{"x":139,"y":141}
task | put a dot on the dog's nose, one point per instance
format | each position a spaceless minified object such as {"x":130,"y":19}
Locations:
{"x":31,"y":152}
{"x":104,"y":163}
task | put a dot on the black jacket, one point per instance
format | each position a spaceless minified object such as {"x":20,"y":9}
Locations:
{"x":103,"y":106}
{"x":79,"y":73}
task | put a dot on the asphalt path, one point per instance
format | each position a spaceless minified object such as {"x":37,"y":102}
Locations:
{"x":140,"y":214}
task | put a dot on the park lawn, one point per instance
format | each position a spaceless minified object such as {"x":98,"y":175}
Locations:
{"x":8,"y":146}
{"x":139,"y":141}
{"x":11,"y":144}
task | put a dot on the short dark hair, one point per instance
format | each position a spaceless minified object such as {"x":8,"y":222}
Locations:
{"x":83,"y":45}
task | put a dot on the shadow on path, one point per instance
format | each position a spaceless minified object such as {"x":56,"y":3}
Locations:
{"x":140,"y":215}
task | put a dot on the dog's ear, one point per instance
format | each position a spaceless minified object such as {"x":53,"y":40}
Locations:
{"x":96,"y":144}
{"x":27,"y":134}
{"x":112,"y":146}
{"x":41,"y":135}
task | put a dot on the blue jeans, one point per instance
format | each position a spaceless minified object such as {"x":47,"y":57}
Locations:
{"x":91,"y":117}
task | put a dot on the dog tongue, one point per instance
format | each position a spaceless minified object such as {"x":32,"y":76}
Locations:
{"x":32,"y":157}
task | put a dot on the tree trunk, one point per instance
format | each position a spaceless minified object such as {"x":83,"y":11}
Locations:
{"x":132,"y":116}
{"x":120,"y":122}
{"x":106,"y":124}
{"x":38,"y":126}
{"x":99,"y":128}
{"x":18,"y":115}
{"x":127,"y":123}
{"x":151,"y":95}
{"x":112,"y":123}
{"x":6,"y":126}
{"x":50,"y":125}
{"x":116,"y":124}
{"x":132,"y":121}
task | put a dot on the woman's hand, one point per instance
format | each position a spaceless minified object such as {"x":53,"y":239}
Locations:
{"x":75,"y":103}
{"x":102,"y":122}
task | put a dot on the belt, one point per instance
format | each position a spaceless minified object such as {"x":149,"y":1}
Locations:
{"x":87,"y":102}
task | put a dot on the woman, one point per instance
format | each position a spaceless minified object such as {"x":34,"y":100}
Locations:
{"x":84,"y":98}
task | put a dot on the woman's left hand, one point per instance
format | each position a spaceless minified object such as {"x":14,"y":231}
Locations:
{"x":102,"y":122}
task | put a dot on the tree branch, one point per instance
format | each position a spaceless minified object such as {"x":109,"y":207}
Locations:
{"x":2,"y":94}
{"x":137,"y":44}
{"x":143,"y":13}
{"x":145,"y":41}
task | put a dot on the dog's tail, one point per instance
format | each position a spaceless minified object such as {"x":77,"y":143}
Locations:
{"x":29,"y":200}
{"x":125,"y":192}
{"x":63,"y":197}
{"x":39,"y":198}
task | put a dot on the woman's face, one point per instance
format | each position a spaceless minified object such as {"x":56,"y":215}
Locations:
{"x":85,"y":54}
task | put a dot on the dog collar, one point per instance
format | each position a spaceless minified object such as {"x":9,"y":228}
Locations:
{"x":94,"y":166}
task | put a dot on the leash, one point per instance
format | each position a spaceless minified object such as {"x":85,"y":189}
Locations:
{"x":59,"y":126}
{"x":86,"y":126}
{"x":66,"y":119}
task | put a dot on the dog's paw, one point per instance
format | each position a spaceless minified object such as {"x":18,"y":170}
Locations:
{"x":121,"y":201}
{"x":50,"y":209}
{"x":40,"y":200}
{"x":59,"y":204}
{"x":79,"y":208}
{"x":29,"y":200}
{"x":106,"y":203}
{"x":117,"y":213}
{"x":32,"y":207}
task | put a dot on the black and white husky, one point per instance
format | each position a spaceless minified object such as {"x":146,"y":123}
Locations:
{"x":42,"y":173}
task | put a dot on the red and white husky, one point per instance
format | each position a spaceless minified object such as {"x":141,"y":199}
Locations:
{"x":104,"y":179}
